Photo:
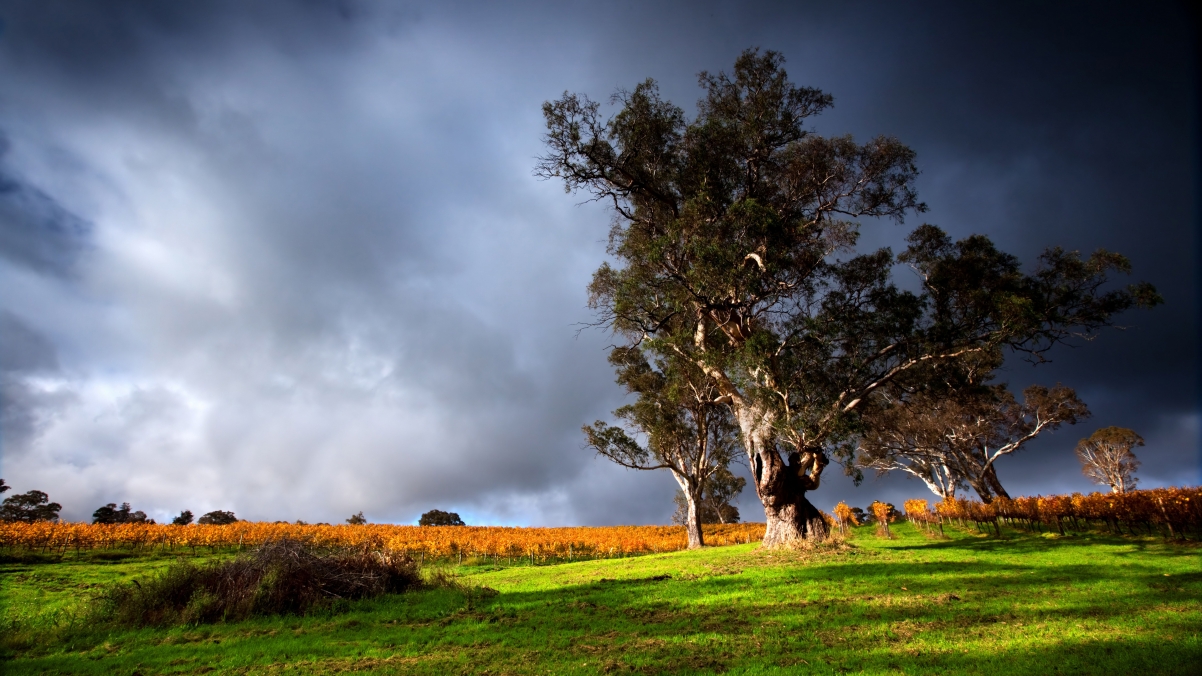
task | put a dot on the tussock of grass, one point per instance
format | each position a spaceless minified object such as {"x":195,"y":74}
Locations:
{"x":283,"y":577}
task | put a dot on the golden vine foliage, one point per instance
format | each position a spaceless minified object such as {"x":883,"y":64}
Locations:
{"x":1177,"y":510}
{"x":880,"y":510}
{"x":424,"y":541}
{"x":845,"y":517}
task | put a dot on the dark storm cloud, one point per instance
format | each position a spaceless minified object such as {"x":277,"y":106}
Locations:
{"x":35,"y":230}
{"x":310,"y":271}
{"x":23,"y":352}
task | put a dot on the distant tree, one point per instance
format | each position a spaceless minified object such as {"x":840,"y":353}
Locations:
{"x":29,"y":507}
{"x":357,"y":519}
{"x":111,"y":513}
{"x":4,"y":486}
{"x":683,"y":425}
{"x":437,"y":517}
{"x":184,"y":518}
{"x":955,"y":437}
{"x":217,"y":518}
{"x":1106,"y":457}
{"x":715,"y":503}
{"x":861,"y":516}
{"x":722,"y":489}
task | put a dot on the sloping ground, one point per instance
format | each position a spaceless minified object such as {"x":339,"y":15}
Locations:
{"x":968,"y":604}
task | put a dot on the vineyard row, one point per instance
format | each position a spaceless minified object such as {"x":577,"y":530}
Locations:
{"x":426,"y":542}
{"x":1171,"y":512}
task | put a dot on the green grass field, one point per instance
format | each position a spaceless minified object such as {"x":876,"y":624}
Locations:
{"x":968,"y":604}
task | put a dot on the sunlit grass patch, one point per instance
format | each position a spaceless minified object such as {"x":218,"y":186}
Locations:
{"x":969,"y":604}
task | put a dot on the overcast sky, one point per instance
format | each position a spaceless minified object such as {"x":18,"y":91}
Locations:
{"x":289,"y":258}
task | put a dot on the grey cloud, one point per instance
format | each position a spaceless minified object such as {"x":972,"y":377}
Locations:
{"x":22,"y":348}
{"x":320,"y":277}
{"x":35,"y":230}
{"x":24,"y":408}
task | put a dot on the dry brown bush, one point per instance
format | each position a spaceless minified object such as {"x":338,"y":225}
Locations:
{"x":280,"y":577}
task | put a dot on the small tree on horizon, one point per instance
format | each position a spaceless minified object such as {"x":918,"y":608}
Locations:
{"x":357,"y":519}
{"x":437,"y":517}
{"x":217,"y":517}
{"x":184,"y":518}
{"x":29,"y":507}
{"x":111,"y":513}
{"x":1106,"y":457}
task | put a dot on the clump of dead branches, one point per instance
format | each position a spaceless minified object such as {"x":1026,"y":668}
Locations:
{"x":280,"y":577}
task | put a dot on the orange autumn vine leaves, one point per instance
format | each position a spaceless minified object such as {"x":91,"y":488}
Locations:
{"x":427,"y":541}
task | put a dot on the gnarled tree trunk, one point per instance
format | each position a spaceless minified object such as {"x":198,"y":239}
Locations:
{"x":782,"y":487}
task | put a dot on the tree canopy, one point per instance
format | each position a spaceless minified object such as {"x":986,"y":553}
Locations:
{"x":681,"y":418}
{"x":111,"y":513}
{"x":217,"y":517}
{"x":1106,"y":457}
{"x":29,"y":507}
{"x":437,"y":517}
{"x":954,"y":437}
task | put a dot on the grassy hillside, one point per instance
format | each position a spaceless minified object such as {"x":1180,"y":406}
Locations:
{"x":968,"y":604}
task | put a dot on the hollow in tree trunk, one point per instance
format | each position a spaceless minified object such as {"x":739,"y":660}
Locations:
{"x":782,"y":489}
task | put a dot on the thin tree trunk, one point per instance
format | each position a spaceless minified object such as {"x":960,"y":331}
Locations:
{"x":693,"y":525}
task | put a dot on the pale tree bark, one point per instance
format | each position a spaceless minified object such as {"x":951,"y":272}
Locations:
{"x":692,"y":495}
{"x":1106,"y":457}
{"x":789,"y":515}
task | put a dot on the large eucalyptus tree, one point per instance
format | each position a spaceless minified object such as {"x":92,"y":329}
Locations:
{"x":734,"y":237}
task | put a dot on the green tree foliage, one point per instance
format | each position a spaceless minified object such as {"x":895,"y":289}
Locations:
{"x":184,"y":518}
{"x":357,"y":519}
{"x":111,"y":513}
{"x":715,"y":503}
{"x":860,"y":515}
{"x":734,"y":244}
{"x":437,"y":517}
{"x":680,"y":418}
{"x":218,"y":518}
{"x":29,"y":507}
